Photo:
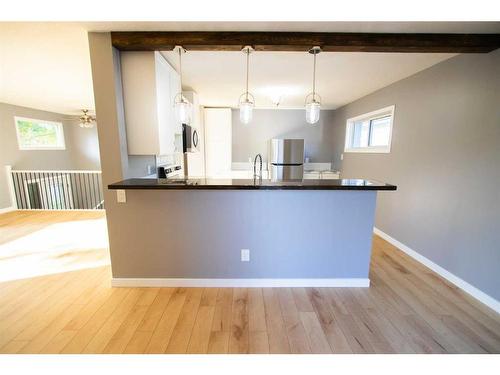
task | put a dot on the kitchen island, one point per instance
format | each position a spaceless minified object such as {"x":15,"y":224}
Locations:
{"x":196,"y":232}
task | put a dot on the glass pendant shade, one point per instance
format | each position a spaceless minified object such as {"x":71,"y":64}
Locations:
{"x":183,"y":111}
{"x":313,"y":105}
{"x":246,"y":111}
{"x":312,"y":112}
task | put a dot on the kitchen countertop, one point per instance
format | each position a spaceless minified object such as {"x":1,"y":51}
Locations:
{"x":248,"y":184}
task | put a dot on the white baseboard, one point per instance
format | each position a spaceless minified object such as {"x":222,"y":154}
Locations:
{"x":462,"y":284}
{"x":239,"y":283}
{"x":7,"y":209}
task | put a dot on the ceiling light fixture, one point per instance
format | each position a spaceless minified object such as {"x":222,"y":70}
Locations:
{"x":181,"y":104}
{"x":246,"y":101}
{"x":86,"y":121}
{"x":313,"y":100}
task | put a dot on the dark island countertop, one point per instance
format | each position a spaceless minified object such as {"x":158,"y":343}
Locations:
{"x":248,"y":184}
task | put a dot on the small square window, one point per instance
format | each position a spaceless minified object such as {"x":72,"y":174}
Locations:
{"x":370,"y":132}
{"x":39,"y":134}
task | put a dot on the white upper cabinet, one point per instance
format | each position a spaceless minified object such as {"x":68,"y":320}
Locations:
{"x":149,"y":88}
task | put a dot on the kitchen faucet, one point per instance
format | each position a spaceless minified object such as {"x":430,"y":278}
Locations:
{"x":255,"y":166}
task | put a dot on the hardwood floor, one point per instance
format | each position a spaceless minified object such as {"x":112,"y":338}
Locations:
{"x":66,"y":304}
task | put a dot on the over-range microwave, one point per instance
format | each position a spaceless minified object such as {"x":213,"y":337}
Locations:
{"x":190,"y":139}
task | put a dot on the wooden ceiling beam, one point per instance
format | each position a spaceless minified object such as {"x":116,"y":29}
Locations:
{"x":302,"y":41}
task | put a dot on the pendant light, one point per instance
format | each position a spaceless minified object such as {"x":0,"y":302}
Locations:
{"x":246,"y":101}
{"x":182,"y":106}
{"x":313,"y":100}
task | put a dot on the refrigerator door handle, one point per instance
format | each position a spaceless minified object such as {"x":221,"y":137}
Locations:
{"x":287,"y":164}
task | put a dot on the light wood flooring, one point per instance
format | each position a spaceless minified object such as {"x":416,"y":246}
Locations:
{"x":407,"y":309}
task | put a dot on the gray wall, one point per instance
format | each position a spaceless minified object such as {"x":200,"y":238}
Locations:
{"x":81,"y":147}
{"x":251,"y":139}
{"x":199,"y":234}
{"x":106,"y":78}
{"x":445,"y":160}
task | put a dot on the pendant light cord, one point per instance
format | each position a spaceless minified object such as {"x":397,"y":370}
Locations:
{"x":248,"y":59}
{"x":180,"y":68}
{"x":314,"y":78}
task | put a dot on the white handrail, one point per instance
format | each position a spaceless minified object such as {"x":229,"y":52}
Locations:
{"x":51,"y":171}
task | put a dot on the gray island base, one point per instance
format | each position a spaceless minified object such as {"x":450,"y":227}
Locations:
{"x":195,"y":237}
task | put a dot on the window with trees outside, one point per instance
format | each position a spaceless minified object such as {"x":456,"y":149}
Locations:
{"x":39,"y":134}
{"x":371,"y":132}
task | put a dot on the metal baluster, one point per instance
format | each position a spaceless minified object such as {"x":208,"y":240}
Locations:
{"x":35,"y":190}
{"x":16,"y":190}
{"x":57,"y":193}
{"x":101,"y":191}
{"x":80,"y":194}
{"x":25,"y":205}
{"x":19,"y":186}
{"x":61,"y":182}
{"x":96,"y":184}
{"x":91,"y":191}
{"x":71,"y":193}
{"x":21,"y":204}
{"x":33,"y":195}
{"x":98,"y":176}
{"x":85,"y":196}
{"x":84,"y":175}
{"x":46,"y":182}
{"x":92,"y":187}
{"x":28,"y":182}
{"x":43,"y":204}
{"x":84,"y":191}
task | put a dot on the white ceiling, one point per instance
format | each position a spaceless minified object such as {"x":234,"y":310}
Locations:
{"x":219,"y":77}
{"x":47,"y":65}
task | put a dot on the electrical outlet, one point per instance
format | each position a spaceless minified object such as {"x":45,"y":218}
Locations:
{"x":341,"y":156}
{"x":121,"y":197}
{"x":245,"y":255}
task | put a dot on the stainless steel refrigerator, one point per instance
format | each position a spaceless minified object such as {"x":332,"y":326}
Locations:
{"x":286,"y":159}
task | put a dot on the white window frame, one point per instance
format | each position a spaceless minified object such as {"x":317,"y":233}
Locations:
{"x":59,"y":125}
{"x":369,"y":116}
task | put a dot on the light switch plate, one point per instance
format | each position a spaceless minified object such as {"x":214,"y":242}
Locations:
{"x":121,"y":197}
{"x":245,"y":255}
